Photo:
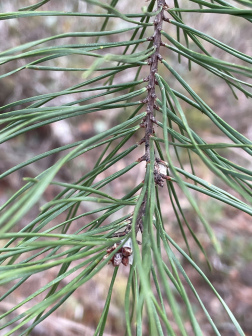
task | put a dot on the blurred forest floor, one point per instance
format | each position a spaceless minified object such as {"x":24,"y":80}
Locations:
{"x":232,"y":270}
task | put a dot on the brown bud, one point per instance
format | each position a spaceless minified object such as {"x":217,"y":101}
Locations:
{"x":126,"y":251}
{"x":166,"y":19}
{"x":151,"y":38}
{"x":117,"y":259}
{"x":145,"y":100}
{"x":165,"y":6}
{"x":149,"y":62}
{"x":125,"y":261}
{"x":166,"y":177}
{"x":112,"y":248}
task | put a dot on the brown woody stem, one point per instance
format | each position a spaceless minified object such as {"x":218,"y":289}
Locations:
{"x":153,"y":62}
{"x":150,"y":120}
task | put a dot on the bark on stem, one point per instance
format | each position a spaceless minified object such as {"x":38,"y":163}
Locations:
{"x":153,"y":62}
{"x":149,"y":120}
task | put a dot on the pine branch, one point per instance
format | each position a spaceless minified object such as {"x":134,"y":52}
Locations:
{"x":149,"y":120}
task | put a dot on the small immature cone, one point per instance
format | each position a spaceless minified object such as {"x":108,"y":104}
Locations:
{"x":127,"y":248}
{"x":126,"y":251}
{"x":112,"y":248}
{"x":125,"y":261}
{"x":117,"y":259}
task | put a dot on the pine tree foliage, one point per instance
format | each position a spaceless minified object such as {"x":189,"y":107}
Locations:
{"x":152,"y":110}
